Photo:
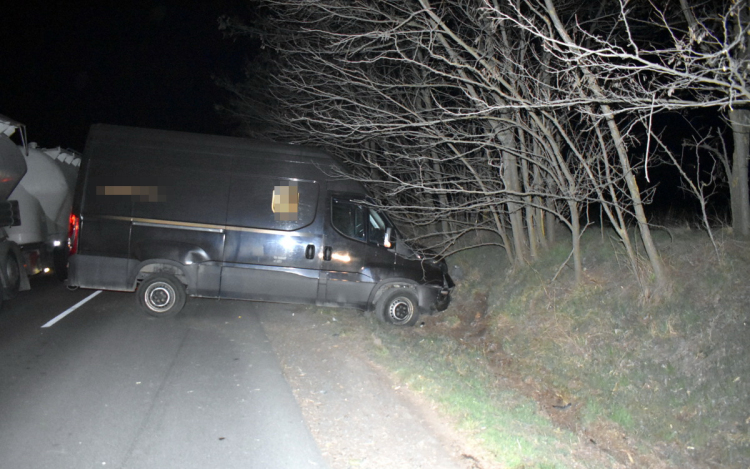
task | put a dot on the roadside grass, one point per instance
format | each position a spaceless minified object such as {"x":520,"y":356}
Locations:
{"x":503,"y":421}
{"x":549,"y":374}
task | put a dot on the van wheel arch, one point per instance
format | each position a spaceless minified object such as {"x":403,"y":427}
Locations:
{"x":161,"y":266}
{"x":384,"y":285}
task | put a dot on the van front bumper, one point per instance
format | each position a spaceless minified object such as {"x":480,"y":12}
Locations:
{"x":433,"y":298}
{"x":443,"y":300}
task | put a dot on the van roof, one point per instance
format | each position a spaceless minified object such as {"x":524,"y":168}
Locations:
{"x":229,"y":146}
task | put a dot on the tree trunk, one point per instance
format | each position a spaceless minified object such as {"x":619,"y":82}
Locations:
{"x":635,"y":196}
{"x":575,"y":232}
{"x":445,"y":224}
{"x":514,"y":208}
{"x":740,"y":122}
{"x":493,"y":208}
{"x":512,"y":182}
{"x":738,"y":183}
{"x":539,"y":214}
{"x":634,"y":192}
{"x":529,"y":209}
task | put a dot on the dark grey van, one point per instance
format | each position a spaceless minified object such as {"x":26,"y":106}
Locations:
{"x":174,"y":214}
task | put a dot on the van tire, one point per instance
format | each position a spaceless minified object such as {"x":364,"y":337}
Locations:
{"x":398,"y":306}
{"x":161,"y":295}
{"x":12,"y":273}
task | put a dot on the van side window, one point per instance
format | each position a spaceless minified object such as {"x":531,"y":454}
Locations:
{"x":349,"y":219}
{"x":265,"y":202}
{"x":358,"y":222}
{"x":377,"y":228}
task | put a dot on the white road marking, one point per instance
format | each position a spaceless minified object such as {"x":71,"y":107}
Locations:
{"x":71,"y":309}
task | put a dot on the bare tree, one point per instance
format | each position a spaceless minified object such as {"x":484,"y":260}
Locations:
{"x":391,"y":88}
{"x":717,"y":51}
{"x":495,"y":115}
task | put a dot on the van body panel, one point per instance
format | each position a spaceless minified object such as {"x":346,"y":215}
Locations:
{"x":207,"y":280}
{"x":106,"y":236}
{"x":186,"y":246}
{"x":345,"y":288}
{"x":233,"y":218}
{"x":268,"y":256}
{"x":196,"y":251}
{"x":269,"y":283}
{"x":99,"y":272}
{"x":270,"y":265}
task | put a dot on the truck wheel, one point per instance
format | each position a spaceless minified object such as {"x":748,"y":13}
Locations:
{"x":12,"y":270}
{"x":398,"y":306}
{"x":161,"y":295}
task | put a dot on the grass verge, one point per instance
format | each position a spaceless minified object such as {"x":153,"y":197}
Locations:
{"x":547,"y":374}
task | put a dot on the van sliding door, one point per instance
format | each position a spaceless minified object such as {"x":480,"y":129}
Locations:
{"x":273,"y":238}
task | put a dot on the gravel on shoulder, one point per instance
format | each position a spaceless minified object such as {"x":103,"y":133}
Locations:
{"x":357,"y":412}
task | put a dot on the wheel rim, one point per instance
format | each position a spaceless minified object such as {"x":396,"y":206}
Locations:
{"x":401,"y":310}
{"x":160,"y":297}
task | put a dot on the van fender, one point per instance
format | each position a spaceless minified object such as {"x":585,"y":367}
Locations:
{"x":384,"y":285}
{"x":180,"y":253}
{"x":185,"y":274}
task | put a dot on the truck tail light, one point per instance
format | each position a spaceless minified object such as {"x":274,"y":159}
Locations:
{"x":74,"y":226}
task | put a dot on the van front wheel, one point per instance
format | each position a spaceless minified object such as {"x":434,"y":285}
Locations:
{"x":161,"y":295}
{"x":399,"y":306}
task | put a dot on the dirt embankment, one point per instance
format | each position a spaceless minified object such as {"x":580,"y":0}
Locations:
{"x":544,"y":374}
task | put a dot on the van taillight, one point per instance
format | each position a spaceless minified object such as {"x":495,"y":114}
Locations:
{"x":73,"y":226}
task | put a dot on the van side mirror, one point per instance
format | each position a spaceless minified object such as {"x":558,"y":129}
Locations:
{"x":387,"y":240}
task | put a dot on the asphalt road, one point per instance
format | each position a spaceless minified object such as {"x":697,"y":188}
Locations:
{"x":107,"y":387}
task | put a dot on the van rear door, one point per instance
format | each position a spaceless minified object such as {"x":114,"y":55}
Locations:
{"x":103,"y":246}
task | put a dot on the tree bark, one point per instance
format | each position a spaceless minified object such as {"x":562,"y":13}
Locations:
{"x":575,"y":233}
{"x":738,"y":183}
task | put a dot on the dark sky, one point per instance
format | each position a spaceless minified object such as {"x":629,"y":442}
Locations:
{"x":67,"y":65}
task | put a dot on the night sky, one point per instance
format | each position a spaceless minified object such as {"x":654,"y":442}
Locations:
{"x":68,"y":65}
{"x":65,"y":65}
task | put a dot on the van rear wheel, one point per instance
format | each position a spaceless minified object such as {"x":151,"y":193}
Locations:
{"x":161,"y":295}
{"x":398,"y":306}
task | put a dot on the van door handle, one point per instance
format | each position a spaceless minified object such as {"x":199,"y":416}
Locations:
{"x":327,"y":251}
{"x":310,"y":251}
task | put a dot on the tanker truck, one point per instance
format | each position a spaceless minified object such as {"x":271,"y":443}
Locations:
{"x":13,"y":277}
{"x":42,"y":201}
